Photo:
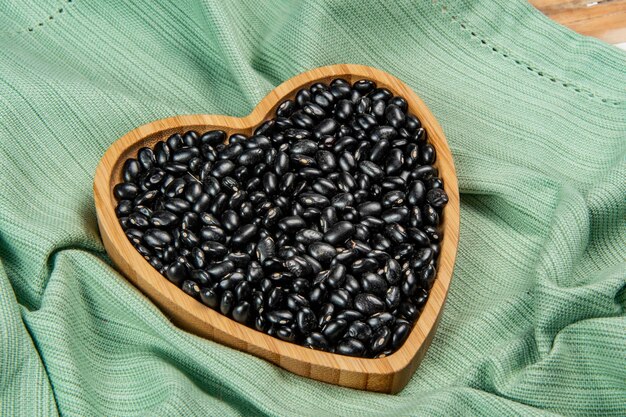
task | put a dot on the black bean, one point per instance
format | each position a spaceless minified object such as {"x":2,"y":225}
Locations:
{"x":339,"y":233}
{"x":324,"y":187}
{"x":374,"y":283}
{"x":387,"y":133}
{"x":302,"y":120}
{"x":350,"y":347}
{"x":177,"y":272}
{"x":400,"y":334}
{"x":241,"y":312}
{"x":395,"y":215}
{"x":359,"y":330}
{"x":285,"y":108}
{"x":372,"y":170}
{"x":342,"y":200}
{"x":335,"y":329}
{"x":316,"y":341}
{"x":280,"y":317}
{"x":306,"y":319}
{"x":368,"y":304}
{"x":369,"y":208}
{"x":437,"y":198}
{"x":308,"y":236}
{"x":244,"y":234}
{"x":341,"y":298}
{"x":219,"y":270}
{"x":213,"y":138}
{"x":230,"y":221}
{"x":379,"y":320}
{"x":395,"y":116}
{"x":349,"y":316}
{"x":380,"y":339}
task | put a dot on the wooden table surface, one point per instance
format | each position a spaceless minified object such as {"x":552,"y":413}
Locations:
{"x":603,"y":19}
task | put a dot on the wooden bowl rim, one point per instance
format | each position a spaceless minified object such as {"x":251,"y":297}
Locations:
{"x":219,"y":327}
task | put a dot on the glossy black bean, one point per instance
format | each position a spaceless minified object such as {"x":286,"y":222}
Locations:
{"x":372,"y":170}
{"x":399,"y":335}
{"x":243,"y":234}
{"x":326,"y":127}
{"x":222,"y":168}
{"x":374,"y":283}
{"x":316,"y":341}
{"x":219,"y":270}
{"x":369,"y":208}
{"x":383,"y":133}
{"x":395,"y":116}
{"x":227,"y":302}
{"x":393,"y":272}
{"x":415,"y":217}
{"x":350,"y":347}
{"x":379,"y":320}
{"x":380,"y":339}
{"x":291,"y":224}
{"x":342,"y":200}
{"x":285,"y":108}
{"x":437,"y":198}
{"x":335,"y":329}
{"x":341,"y":298}
{"x":396,"y":233}
{"x":131,"y":170}
{"x":314,"y":110}
{"x":343,"y":110}
{"x":156,"y":238}
{"x":306,"y":320}
{"x":241,"y":312}
{"x":394,"y":162}
{"x":364,"y":86}
{"x":408,"y":311}
{"x":125,"y":191}
{"x":368,"y":304}
{"x":424,"y":172}
{"x":393,"y":297}
{"x":308,"y":236}
{"x":339,"y":233}
{"x":395,"y":215}
{"x":430,"y":215}
{"x":177,"y":272}
{"x":295,"y":302}
{"x":280,"y":317}
{"x":298,"y":266}
{"x":427,"y":155}
{"x":366,"y":122}
{"x":417,"y":193}
{"x":230,"y":221}
{"x":213,"y":138}
{"x":359,"y":330}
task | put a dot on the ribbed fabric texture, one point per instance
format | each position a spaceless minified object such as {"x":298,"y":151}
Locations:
{"x":536,"y":119}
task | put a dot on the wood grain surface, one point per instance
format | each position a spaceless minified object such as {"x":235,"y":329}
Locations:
{"x":603,"y":19}
{"x":389,"y":374}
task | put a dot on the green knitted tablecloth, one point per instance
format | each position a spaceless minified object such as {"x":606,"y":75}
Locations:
{"x":536,"y":119}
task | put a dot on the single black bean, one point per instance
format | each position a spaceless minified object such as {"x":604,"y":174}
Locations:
{"x":359,"y":330}
{"x":241,"y":312}
{"x":335,"y":329}
{"x":350,"y":347}
{"x":368,"y":304}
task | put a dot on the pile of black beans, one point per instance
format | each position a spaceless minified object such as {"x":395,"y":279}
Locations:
{"x":320,"y":229}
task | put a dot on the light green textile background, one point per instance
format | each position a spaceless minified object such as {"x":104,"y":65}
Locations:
{"x":536,"y":119}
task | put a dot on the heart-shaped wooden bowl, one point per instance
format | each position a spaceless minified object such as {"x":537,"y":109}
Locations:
{"x":389,"y":374}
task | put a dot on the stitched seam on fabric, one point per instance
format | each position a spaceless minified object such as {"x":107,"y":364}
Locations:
{"x":57,"y":13}
{"x":445,"y":8}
